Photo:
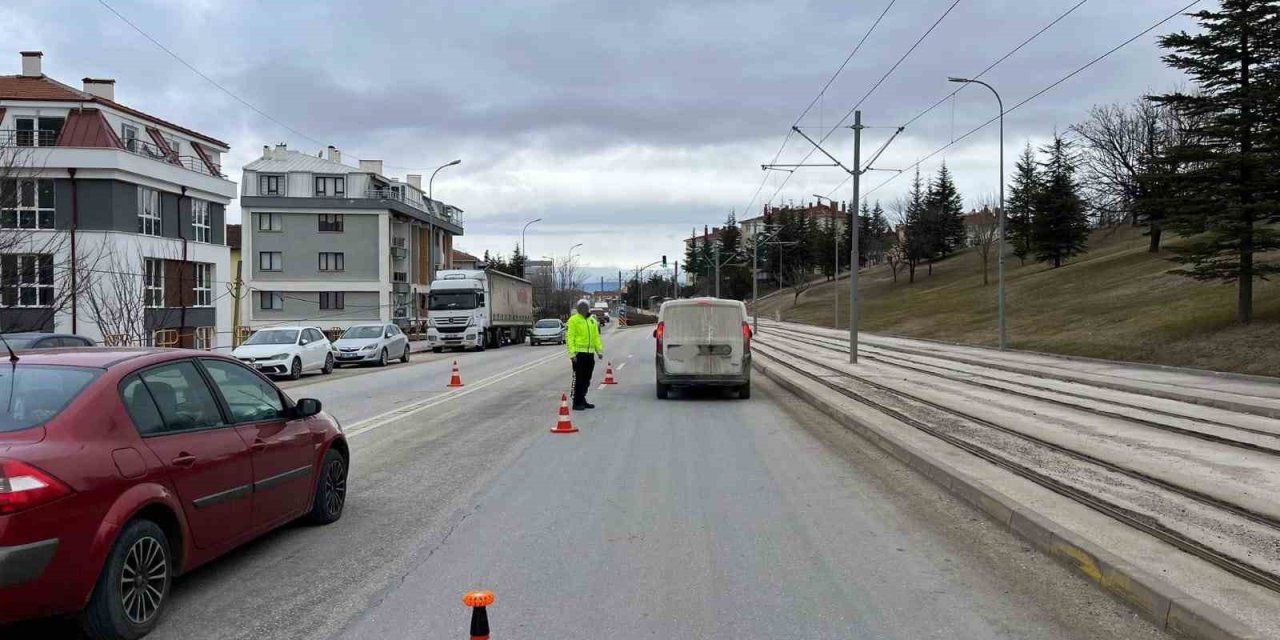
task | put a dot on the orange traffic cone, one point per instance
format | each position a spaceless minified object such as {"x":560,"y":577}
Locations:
{"x":564,"y":424}
{"x":608,"y":374}
{"x":456,"y":379}
{"x":478,"y":600}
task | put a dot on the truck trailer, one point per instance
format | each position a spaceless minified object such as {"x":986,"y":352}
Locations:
{"x":473,"y":309}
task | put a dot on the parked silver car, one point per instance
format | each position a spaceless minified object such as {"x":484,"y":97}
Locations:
{"x":547,"y":330}
{"x":371,"y":344}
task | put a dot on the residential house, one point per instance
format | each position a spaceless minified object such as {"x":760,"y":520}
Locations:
{"x":464,"y":260}
{"x":111,"y":219}
{"x":333,"y":244}
{"x":979,"y":225}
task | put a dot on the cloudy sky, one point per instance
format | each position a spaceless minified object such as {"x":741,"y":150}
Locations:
{"x":624,"y":124}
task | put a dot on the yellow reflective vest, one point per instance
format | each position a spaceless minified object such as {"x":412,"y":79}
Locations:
{"x":583,"y":335}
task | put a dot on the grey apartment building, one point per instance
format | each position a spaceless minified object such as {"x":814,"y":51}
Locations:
{"x":332,"y":245}
{"x":111,"y":219}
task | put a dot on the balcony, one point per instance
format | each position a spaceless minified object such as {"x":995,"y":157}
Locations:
{"x":398,"y":194}
{"x":47,"y":138}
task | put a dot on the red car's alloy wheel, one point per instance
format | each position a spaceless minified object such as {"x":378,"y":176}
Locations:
{"x":143,"y":579}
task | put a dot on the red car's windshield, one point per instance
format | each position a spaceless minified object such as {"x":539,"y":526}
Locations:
{"x":33,"y":394}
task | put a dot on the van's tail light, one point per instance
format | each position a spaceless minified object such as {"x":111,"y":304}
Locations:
{"x":746,"y":338}
{"x":657,"y":333}
{"x":23,"y":486}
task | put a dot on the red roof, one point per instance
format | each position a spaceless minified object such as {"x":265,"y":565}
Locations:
{"x":88,"y":128}
{"x":463,"y":256}
{"x":46,"y":88}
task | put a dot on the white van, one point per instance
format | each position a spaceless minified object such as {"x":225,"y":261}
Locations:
{"x":703,"y":342}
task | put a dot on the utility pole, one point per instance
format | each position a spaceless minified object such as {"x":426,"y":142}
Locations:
{"x":716,"y":253}
{"x":237,"y":292}
{"x":853,"y":250}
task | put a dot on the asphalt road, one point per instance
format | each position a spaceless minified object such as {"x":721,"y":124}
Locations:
{"x":698,"y":517}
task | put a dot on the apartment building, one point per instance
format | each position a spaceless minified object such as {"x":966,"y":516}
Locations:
{"x":111,"y":219}
{"x":333,"y":244}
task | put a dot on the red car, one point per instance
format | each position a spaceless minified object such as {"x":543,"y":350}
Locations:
{"x":122,"y":468}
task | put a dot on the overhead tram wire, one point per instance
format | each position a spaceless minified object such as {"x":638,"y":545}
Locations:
{"x":1037,"y":94}
{"x":979,"y":75}
{"x":818,"y":97}
{"x":1024,"y":101}
{"x":869,"y":92}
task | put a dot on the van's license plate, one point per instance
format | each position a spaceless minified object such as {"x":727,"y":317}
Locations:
{"x":714,"y":350}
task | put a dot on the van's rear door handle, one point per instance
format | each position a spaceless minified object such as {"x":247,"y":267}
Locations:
{"x":184,"y":460}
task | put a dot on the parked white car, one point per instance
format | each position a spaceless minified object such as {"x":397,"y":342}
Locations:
{"x":547,"y":330}
{"x":371,"y":344}
{"x":287,"y":351}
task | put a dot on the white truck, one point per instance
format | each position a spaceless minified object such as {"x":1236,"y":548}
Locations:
{"x":471,"y":309}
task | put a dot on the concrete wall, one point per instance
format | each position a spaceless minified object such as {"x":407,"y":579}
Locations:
{"x":304,"y":307}
{"x":300,"y":244}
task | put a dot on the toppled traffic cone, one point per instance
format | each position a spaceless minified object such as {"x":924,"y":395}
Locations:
{"x":456,"y":379}
{"x":608,"y":374}
{"x":564,"y":424}
{"x":478,"y":600}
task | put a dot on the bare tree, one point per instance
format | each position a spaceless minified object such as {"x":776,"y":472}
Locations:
{"x":118,"y":300}
{"x":895,"y":256}
{"x":42,"y":271}
{"x":984,"y":235}
{"x":1119,"y":143}
{"x":799,"y":278}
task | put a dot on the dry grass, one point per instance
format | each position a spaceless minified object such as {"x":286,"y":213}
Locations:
{"x":1117,"y":302}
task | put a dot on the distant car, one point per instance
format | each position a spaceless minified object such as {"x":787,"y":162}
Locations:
{"x":703,"y":342}
{"x":123,"y":468}
{"x":547,"y":330}
{"x":287,"y":351}
{"x":371,"y":344}
{"x":34,"y":340}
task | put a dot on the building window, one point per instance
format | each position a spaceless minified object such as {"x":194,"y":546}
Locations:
{"x":26,"y":204}
{"x":37,"y":132}
{"x":202,"y":277}
{"x":148,"y":211}
{"x":152,"y":282}
{"x":331,"y":186}
{"x":270,"y":300}
{"x":332,"y":261}
{"x":205,"y":337}
{"x":130,"y":135}
{"x":270,"y":222}
{"x":200,"y":220}
{"x":270,"y":261}
{"x":270,"y":185}
{"x":331,"y":222}
{"x":333,"y":300}
{"x":26,"y":280}
{"x":175,"y":147}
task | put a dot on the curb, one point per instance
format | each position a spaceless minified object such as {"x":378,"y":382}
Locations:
{"x":1160,"y":602}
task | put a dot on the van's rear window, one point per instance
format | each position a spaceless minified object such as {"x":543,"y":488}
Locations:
{"x":35,"y":394}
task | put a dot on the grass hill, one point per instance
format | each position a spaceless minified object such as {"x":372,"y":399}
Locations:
{"x":1116,"y":302}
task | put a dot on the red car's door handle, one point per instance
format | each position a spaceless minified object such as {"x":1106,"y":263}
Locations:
{"x":258,"y":445}
{"x":184,"y":460}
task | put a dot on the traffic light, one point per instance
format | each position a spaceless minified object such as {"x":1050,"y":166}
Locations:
{"x":664,"y":262}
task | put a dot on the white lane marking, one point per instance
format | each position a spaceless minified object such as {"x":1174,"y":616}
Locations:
{"x":622,"y":365}
{"x":383,"y":419}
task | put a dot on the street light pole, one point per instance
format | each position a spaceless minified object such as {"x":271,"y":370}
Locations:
{"x":1003,"y":338}
{"x":431,"y":181}
{"x":524,"y":252}
{"x":853,"y":250}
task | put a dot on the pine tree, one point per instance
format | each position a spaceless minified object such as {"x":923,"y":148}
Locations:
{"x":1020,"y":204}
{"x":735,"y":281}
{"x":917,"y":243}
{"x":692,"y":257}
{"x":880,"y":232}
{"x":865,"y":238}
{"x":1059,"y":221}
{"x":946,"y":213}
{"x":517,"y":262}
{"x":1226,"y":177}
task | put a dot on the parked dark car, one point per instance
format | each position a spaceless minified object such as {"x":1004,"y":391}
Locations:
{"x":123,"y":468}
{"x":34,"y":340}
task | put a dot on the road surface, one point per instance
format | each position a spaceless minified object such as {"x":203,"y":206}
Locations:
{"x":699,"y":517}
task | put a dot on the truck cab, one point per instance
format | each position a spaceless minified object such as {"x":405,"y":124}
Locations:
{"x":456,"y":311}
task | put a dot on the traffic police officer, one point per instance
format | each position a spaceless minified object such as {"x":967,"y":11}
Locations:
{"x":585,"y":347}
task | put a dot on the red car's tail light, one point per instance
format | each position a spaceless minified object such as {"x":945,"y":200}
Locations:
{"x":746,"y":338}
{"x":657,"y":333}
{"x":23,"y":486}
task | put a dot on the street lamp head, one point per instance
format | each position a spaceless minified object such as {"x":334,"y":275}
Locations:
{"x":459,"y":161}
{"x":956,"y":79}
{"x":536,"y":220}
